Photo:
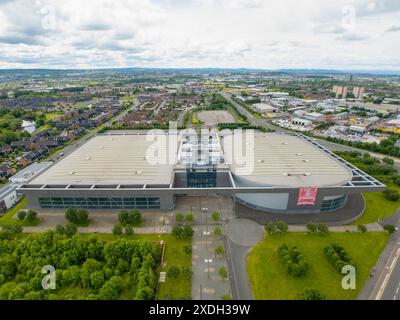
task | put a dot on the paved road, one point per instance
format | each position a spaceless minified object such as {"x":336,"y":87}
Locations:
{"x":392,"y":290}
{"x":385,"y":277}
{"x":241,"y":236}
{"x":252,"y":119}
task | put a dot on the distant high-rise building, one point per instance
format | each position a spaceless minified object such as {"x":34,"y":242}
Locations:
{"x":358,"y":92}
{"x":340,"y":91}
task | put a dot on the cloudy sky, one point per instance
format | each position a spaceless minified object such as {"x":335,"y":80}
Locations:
{"x":339,"y":34}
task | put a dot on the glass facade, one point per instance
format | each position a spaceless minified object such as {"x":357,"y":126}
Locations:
{"x":333,"y":203}
{"x":101,"y":203}
{"x":201,"y":177}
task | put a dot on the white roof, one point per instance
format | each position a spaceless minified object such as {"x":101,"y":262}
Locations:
{"x":282,"y":160}
{"x":111,"y":159}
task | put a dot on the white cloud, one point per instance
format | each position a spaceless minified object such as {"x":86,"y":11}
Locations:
{"x":199,"y":33}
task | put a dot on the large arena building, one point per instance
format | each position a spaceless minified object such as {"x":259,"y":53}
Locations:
{"x":271,"y":172}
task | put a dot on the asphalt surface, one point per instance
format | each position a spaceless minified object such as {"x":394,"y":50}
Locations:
{"x":241,"y":236}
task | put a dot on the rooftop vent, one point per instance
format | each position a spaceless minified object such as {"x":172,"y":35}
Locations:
{"x":285,"y":143}
{"x":298,"y":154}
{"x":101,"y":147}
{"x":72,"y":172}
{"x":307,"y":174}
{"x":287,"y":174}
{"x":88,"y":158}
{"x":306,"y":160}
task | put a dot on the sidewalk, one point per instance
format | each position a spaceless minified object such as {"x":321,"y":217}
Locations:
{"x":372,"y":227}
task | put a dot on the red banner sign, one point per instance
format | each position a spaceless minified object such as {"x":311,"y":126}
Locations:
{"x":307,"y":196}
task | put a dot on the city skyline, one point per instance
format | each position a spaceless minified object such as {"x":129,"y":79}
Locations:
{"x":344,"y":35}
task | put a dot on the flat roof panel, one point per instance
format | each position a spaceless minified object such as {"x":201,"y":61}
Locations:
{"x":110,"y":159}
{"x":284,"y":160}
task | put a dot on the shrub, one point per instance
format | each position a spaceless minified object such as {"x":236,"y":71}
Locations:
{"x":322,"y":228}
{"x":312,"y":294}
{"x":31,"y":216}
{"x":117,"y":230}
{"x":179,"y":217}
{"x":187,"y":249}
{"x":312,"y":227}
{"x":78,"y":217}
{"x":293,"y":260}
{"x":189,"y":217}
{"x":362,"y":228}
{"x":337,"y":256}
{"x":129,"y":230}
{"x":276,"y":227}
{"x":388,"y":161}
{"x":389,"y":228}
{"x":173,"y":272}
{"x":21,"y":215}
{"x":70,"y":229}
{"x":215,"y":216}
{"x":12,"y":229}
{"x":223,"y":273}
{"x":133,"y":217}
{"x":281,"y":226}
{"x":217,"y":232}
{"x":182,"y":232}
{"x":219,"y":251}
{"x":391,"y":194}
{"x":111,"y":289}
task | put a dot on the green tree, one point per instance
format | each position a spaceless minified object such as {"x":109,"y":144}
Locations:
{"x":362,"y":228}
{"x":217,"y":232}
{"x":389,"y":228}
{"x":282,"y":226}
{"x":123,"y":217}
{"x":312,"y":227}
{"x":129,"y":230}
{"x":223,"y":273}
{"x":31,"y":216}
{"x":111,"y":289}
{"x":215,"y":216}
{"x":322,"y":228}
{"x":21,"y":215}
{"x":219,"y":251}
{"x":117,"y":229}
{"x":97,"y":280}
{"x":312,"y":294}
{"x":179,"y":217}
{"x":189,"y":217}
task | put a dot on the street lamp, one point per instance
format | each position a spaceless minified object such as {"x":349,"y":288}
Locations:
{"x":208,"y":261}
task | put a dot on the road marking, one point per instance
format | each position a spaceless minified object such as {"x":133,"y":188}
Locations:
{"x":387,"y":277}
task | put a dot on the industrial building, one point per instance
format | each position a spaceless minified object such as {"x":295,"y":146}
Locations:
{"x":271,"y":172}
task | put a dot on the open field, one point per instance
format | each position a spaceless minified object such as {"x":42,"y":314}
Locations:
{"x":378,"y":207}
{"x":212,"y":118}
{"x":270,"y":281}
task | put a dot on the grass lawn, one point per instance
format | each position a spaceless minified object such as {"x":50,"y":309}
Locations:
{"x":377,"y":206}
{"x":8,"y":220}
{"x":176,"y":289}
{"x":270,"y":281}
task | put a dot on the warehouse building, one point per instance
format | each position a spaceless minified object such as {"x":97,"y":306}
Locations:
{"x":280,"y":173}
